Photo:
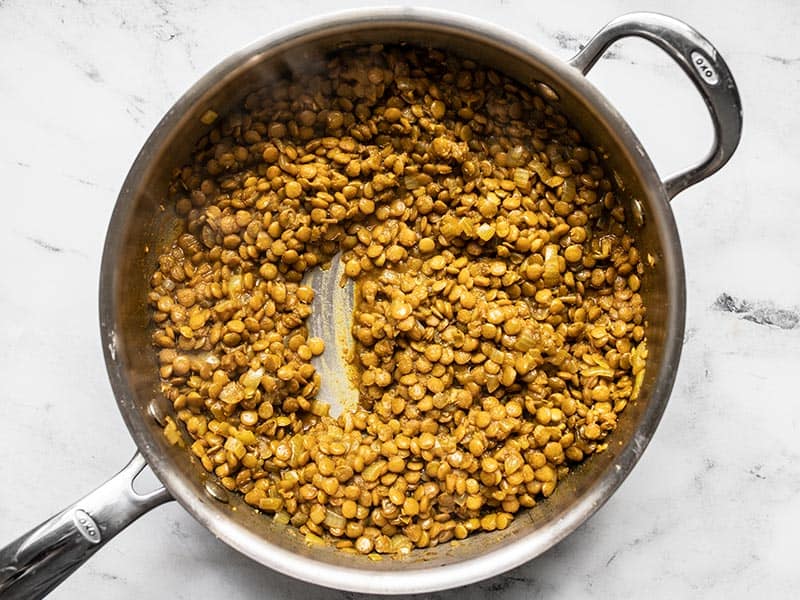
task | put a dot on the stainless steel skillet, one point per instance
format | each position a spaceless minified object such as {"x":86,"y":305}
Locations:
{"x":39,"y":560}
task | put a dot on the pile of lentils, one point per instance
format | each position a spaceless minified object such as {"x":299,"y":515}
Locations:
{"x":498,"y":326}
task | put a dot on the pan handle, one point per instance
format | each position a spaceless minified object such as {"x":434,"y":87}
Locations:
{"x":35,"y":563}
{"x":704,"y":66}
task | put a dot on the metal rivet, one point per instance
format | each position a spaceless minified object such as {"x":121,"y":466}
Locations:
{"x":158,"y":410}
{"x":637,"y":212}
{"x":216,"y":491}
{"x":547,"y":92}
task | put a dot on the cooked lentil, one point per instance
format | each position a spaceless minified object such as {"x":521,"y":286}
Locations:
{"x":499,"y":328}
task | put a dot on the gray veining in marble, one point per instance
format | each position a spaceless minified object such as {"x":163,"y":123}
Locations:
{"x":712,"y":508}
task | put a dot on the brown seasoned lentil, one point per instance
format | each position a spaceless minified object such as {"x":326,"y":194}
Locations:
{"x":499,"y":328}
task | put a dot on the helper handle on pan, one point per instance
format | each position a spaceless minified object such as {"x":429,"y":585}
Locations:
{"x":704,"y":66}
{"x":35,"y":563}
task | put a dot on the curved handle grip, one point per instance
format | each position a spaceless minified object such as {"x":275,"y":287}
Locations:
{"x":35,"y":563}
{"x":704,"y":66}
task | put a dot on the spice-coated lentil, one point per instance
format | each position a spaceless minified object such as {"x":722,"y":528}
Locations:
{"x":499,"y":328}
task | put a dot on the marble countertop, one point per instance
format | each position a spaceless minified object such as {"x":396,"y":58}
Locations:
{"x":712,"y":508}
